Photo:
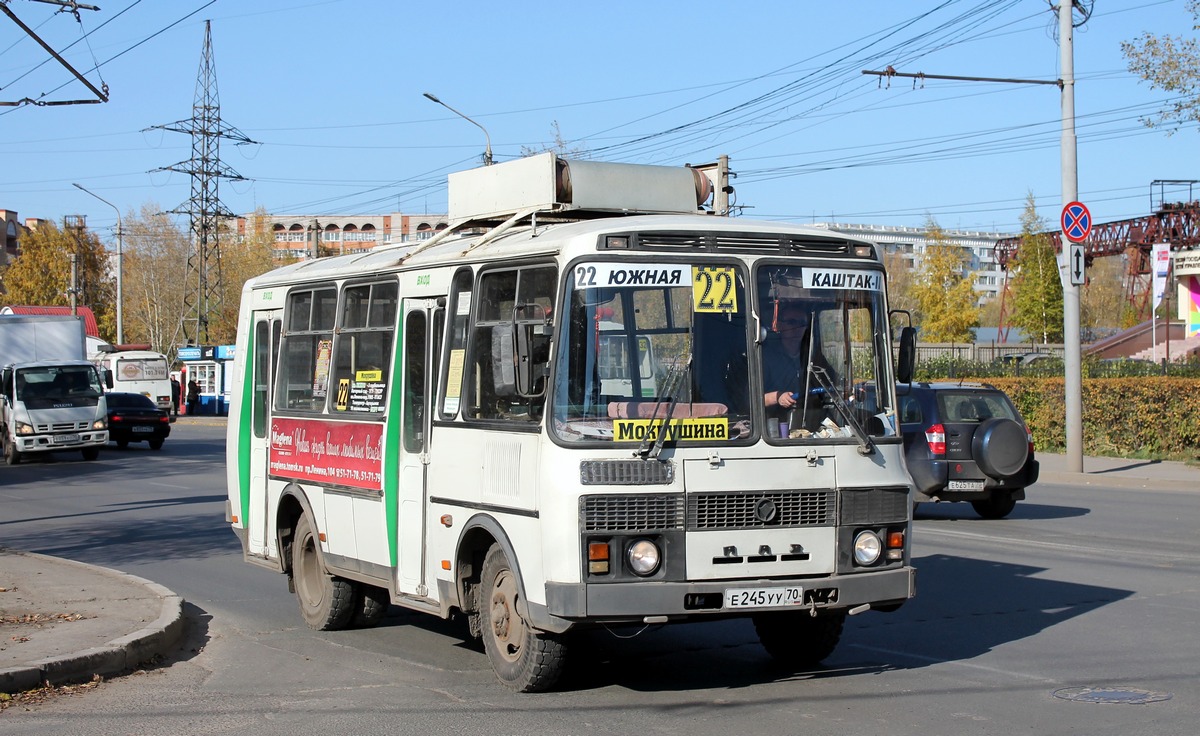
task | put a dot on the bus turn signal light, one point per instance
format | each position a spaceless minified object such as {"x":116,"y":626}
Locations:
{"x":598,"y":558}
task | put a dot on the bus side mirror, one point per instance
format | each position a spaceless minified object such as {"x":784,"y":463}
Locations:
{"x":108,"y":379}
{"x":908,"y":355}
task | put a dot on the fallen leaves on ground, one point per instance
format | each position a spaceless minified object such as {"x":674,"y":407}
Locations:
{"x":42,"y":694}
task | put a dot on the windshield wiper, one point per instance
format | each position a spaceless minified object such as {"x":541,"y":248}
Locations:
{"x":675,"y":382}
{"x":865,"y":445}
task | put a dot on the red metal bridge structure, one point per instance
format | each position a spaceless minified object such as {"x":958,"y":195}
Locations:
{"x":1177,"y":224}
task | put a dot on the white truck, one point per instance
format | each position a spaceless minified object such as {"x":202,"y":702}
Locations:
{"x":51,"y":397}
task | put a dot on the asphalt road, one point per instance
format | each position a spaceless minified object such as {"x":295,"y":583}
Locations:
{"x":1084,"y":594}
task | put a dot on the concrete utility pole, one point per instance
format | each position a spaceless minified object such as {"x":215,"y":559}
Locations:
{"x":1073,"y":362}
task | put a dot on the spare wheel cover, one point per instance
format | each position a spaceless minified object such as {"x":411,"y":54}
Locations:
{"x":1000,"y":447}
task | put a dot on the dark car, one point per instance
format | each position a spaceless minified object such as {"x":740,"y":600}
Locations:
{"x":966,"y":442}
{"x":136,"y":418}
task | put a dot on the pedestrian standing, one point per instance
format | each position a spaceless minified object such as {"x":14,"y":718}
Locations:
{"x":175,"y":389}
{"x":193,"y":397}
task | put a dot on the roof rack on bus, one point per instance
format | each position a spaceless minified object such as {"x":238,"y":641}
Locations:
{"x":496,"y":198}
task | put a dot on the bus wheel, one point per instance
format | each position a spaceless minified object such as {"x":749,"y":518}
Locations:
{"x":91,"y":453}
{"x":370,"y":604}
{"x":796,"y":639}
{"x":525,"y":659}
{"x":326,"y":601}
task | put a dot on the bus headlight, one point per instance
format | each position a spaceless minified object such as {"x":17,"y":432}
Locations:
{"x":100,"y":423}
{"x":867,"y":548}
{"x":23,"y":428}
{"x":644,"y":557}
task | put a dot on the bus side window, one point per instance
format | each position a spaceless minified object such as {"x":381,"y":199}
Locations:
{"x":307,"y":350}
{"x":364,"y":347}
{"x":504,"y":295}
{"x":456,"y":344}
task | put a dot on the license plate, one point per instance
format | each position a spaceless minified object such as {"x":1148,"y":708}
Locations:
{"x":143,"y":429}
{"x":66,"y":439}
{"x":965,"y":485}
{"x":763,"y":597}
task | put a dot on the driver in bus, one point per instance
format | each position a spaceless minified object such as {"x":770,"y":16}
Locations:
{"x":784,"y":353}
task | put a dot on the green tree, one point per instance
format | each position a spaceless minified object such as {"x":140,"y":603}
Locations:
{"x":41,"y":274}
{"x":1103,"y":303}
{"x":1172,"y":64}
{"x":1036,"y":286}
{"x":156,"y":252}
{"x":945,"y":291}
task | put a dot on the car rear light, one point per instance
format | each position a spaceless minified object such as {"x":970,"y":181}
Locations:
{"x":936,"y":437}
{"x":1030,"y":436}
{"x":164,"y":419}
{"x":116,"y":418}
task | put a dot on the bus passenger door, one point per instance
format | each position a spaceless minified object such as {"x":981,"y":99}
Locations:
{"x":266,"y":330}
{"x":420,"y":328}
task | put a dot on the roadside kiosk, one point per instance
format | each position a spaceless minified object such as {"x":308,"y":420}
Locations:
{"x":208,"y":366}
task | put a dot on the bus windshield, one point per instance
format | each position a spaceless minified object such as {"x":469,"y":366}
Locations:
{"x":641,"y":340}
{"x":824,"y":342}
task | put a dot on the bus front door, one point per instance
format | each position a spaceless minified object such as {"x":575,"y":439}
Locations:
{"x":266,"y":330}
{"x":421,"y":328}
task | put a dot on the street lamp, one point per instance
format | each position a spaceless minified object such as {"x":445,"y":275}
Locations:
{"x":120,"y":253}
{"x":487,"y":154}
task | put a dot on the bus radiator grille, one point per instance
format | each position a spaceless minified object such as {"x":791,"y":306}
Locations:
{"x":759,"y":509}
{"x":635,"y":512}
{"x":874,"y":505}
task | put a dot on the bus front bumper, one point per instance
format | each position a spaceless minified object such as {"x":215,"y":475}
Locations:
{"x":635,"y":601}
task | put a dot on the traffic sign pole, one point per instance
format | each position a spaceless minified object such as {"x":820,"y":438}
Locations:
{"x":1073,"y":354}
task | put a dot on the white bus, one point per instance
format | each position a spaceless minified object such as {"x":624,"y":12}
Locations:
{"x":137,"y":372}
{"x":439,"y":425}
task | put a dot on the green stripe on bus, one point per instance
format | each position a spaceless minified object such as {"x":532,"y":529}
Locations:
{"x":245,"y":358}
{"x":391,"y":447}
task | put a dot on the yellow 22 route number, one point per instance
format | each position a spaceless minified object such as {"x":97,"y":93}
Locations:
{"x":714,"y":289}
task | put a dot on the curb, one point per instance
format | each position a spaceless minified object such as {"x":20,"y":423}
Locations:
{"x":117,"y":656}
{"x":1113,"y":480}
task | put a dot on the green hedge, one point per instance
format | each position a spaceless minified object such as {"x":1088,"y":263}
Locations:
{"x":1151,"y":416}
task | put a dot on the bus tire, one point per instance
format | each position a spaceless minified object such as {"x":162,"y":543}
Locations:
{"x":370,"y":604}
{"x":524,"y":659}
{"x":91,"y":453}
{"x":326,"y":601}
{"x":796,"y":638}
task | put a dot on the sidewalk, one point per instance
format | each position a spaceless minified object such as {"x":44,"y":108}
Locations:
{"x":64,"y":621}
{"x":1120,"y":472}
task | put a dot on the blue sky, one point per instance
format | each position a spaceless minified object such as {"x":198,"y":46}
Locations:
{"x":332,"y":94}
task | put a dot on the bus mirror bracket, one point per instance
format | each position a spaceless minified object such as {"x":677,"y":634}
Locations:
{"x":532,"y":357}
